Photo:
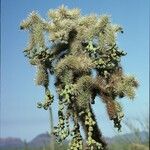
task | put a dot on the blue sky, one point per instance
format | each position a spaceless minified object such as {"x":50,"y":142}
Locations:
{"x":19,"y":95}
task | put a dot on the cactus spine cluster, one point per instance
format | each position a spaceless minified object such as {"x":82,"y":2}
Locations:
{"x":78,"y":46}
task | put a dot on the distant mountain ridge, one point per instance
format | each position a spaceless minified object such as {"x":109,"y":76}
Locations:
{"x":40,"y":140}
{"x":44,"y":139}
{"x":11,"y":142}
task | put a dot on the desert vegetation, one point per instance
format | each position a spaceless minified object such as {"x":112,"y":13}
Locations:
{"x":78,"y":46}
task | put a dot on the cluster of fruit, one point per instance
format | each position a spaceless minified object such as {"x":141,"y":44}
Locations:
{"x":90,"y":123}
{"x":49,"y":98}
{"x":38,"y":55}
{"x":106,"y":61}
{"x":66,"y":94}
{"x":91,"y":48}
{"x":62,"y":130}
{"x":109,"y":61}
{"x":76,"y":142}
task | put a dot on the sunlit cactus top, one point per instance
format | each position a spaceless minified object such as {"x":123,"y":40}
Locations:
{"x":73,"y":47}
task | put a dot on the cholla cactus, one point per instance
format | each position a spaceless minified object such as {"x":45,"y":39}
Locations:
{"x":79,"y":45}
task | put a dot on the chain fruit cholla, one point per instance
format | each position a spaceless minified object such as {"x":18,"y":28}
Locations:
{"x":79,"y":45}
